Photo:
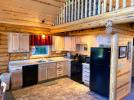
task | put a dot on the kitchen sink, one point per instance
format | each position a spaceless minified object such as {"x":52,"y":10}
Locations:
{"x":41,"y":61}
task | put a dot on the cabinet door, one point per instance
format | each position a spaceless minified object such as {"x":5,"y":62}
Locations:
{"x":73,"y":43}
{"x":68,"y":43}
{"x":13,"y":42}
{"x":58,"y":43}
{"x":24,"y":42}
{"x":51,"y":70}
{"x":16,"y":79}
{"x":42,"y":72}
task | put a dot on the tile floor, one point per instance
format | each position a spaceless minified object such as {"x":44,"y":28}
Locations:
{"x":61,"y":89}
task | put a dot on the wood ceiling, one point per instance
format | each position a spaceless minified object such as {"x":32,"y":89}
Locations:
{"x":30,"y":12}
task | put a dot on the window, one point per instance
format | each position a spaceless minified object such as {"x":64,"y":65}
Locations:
{"x":40,"y":50}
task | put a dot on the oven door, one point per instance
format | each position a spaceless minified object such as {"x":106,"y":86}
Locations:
{"x":76,"y":71}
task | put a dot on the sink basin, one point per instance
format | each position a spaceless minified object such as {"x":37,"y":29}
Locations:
{"x":41,"y":61}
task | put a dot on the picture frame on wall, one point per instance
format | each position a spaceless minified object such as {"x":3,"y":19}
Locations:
{"x":122,"y":51}
{"x":129,"y":51}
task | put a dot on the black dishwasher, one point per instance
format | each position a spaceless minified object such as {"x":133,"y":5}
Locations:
{"x":30,"y":75}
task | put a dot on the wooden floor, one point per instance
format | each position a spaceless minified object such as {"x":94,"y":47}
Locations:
{"x":61,"y":89}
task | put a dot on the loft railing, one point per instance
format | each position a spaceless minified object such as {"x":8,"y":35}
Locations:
{"x":78,"y":9}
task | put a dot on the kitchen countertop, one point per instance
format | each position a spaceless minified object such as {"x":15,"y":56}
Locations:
{"x":17,"y":65}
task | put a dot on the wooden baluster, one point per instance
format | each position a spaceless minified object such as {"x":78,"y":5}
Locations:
{"x":61,"y":15}
{"x":82,"y":8}
{"x":105,"y":6}
{"x":66,"y":11}
{"x":69,"y":11}
{"x":132,"y":2}
{"x":86,"y":4}
{"x":75,"y":10}
{"x":102,"y":7}
{"x":90,"y":2}
{"x":78,"y":16}
{"x":72,"y":11}
{"x":99,"y":7}
{"x":57,"y":20}
{"x":124,"y":4}
{"x":110,"y":5}
{"x":117,"y":5}
{"x":94,"y":8}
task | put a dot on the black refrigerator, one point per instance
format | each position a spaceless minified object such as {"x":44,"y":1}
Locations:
{"x":100,"y":70}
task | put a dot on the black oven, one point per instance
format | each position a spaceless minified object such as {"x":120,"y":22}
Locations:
{"x":76,"y":68}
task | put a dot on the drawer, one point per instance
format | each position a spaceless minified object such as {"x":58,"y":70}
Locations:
{"x":60,"y":63}
{"x":86,"y":74}
{"x":59,"y":67}
{"x":87,"y":78}
{"x":59,"y":75}
{"x":86,"y":82}
{"x":86,"y":66}
{"x":60,"y":72}
{"x":85,"y":70}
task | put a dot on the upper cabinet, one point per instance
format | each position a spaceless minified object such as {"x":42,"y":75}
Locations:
{"x":24,"y":43}
{"x":18,"y":42}
{"x":70,"y":43}
{"x":58,"y":43}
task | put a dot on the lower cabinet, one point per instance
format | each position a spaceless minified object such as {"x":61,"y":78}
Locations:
{"x":42,"y":72}
{"x":16,"y":79}
{"x":51,"y":70}
{"x":45,"y":71}
{"x":62,"y":68}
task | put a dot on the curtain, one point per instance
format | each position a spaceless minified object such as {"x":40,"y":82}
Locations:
{"x":38,"y":40}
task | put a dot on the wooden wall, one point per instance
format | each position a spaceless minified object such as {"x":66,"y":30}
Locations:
{"x":124,"y":70}
{"x":4,"y":56}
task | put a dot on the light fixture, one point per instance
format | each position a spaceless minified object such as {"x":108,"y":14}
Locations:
{"x":43,"y":36}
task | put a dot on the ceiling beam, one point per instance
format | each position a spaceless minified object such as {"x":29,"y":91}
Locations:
{"x":23,"y":29}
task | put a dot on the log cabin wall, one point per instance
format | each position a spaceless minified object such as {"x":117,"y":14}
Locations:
{"x":124,"y":67}
{"x":124,"y":70}
{"x":4,"y":56}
